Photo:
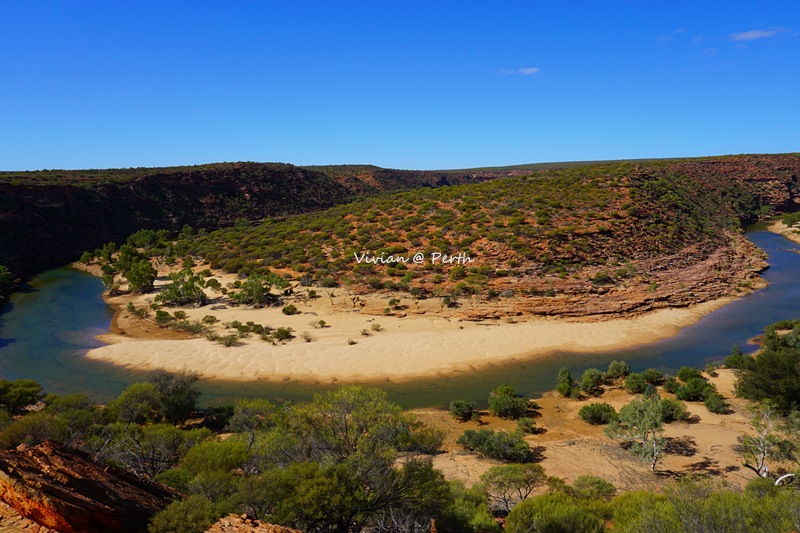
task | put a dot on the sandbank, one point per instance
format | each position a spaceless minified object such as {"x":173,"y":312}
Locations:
{"x":405,"y":348}
{"x":791,"y":233}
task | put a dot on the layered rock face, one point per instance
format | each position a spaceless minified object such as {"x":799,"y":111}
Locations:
{"x":63,"y":490}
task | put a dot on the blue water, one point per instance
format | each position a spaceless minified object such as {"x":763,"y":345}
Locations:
{"x":52,"y":321}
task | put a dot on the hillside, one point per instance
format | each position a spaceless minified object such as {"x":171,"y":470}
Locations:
{"x":603,"y":239}
{"x":54,"y":215}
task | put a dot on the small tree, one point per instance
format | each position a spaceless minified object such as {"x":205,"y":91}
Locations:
{"x":511,"y":484}
{"x":464,"y":410}
{"x":640,"y":422}
{"x":564,"y":382}
{"x":767,"y":444}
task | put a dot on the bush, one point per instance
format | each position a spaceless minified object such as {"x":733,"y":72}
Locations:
{"x":597,"y":413}
{"x":564,"y":382}
{"x":179,"y":314}
{"x":590,"y":380}
{"x":635,"y":384}
{"x":672,"y":385}
{"x":505,"y":403}
{"x":228,"y":340}
{"x":498,"y":445}
{"x":618,"y":369}
{"x":687,"y":372}
{"x":283,"y":334}
{"x":672,"y":410}
{"x":464,"y":410}
{"x":716,"y":404}
{"x":526,"y":425}
{"x":593,"y":488}
{"x":695,"y":390}
{"x":289,"y":310}
{"x":209,"y":319}
{"x":653,"y":376}
{"x":552,"y":513}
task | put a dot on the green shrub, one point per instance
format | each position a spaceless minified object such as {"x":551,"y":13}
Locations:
{"x":527,"y":425}
{"x":283,"y":334}
{"x":590,"y":381}
{"x":716,"y":404}
{"x":635,"y":384}
{"x":593,"y":488}
{"x":672,"y":410}
{"x":618,"y":369}
{"x":209,"y":319}
{"x":597,"y":413}
{"x":552,"y":513}
{"x":498,"y":445}
{"x":289,"y":310}
{"x":228,"y":340}
{"x":464,"y":410}
{"x":163,"y":317}
{"x":672,"y":385}
{"x":564,"y":382}
{"x":695,"y":390}
{"x":180,"y":315}
{"x":687,"y":372}
{"x":653,"y":376}
{"x":505,"y":403}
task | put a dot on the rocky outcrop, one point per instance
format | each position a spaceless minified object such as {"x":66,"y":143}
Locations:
{"x":64,"y":490}
{"x":243,"y":524}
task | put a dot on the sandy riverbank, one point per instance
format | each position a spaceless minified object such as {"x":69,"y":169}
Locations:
{"x":420,"y":344}
{"x":780,"y":228}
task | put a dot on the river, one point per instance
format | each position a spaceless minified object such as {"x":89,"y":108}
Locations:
{"x":52,"y":321}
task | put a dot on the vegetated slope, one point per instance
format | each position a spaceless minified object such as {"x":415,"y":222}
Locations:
{"x":54,"y":215}
{"x":613,"y":238}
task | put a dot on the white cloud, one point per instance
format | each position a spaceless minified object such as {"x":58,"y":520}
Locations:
{"x":754,"y":35}
{"x":697,"y":39}
{"x":528,"y":71}
{"x":710,"y":51}
{"x":664,"y":38}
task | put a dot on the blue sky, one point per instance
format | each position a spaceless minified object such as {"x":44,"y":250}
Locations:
{"x":90,"y":84}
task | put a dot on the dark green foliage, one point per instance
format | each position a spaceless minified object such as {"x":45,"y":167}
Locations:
{"x":282,"y":334}
{"x":564,"y":382}
{"x":506,"y":403}
{"x":694,"y":390}
{"x":498,"y":445}
{"x":672,"y":410}
{"x":14,"y":395}
{"x":289,"y":310}
{"x":597,"y":413}
{"x":716,"y":404}
{"x":775,"y":373}
{"x":653,"y":376}
{"x":687,"y":372}
{"x":192,"y":515}
{"x":618,"y":369}
{"x":464,"y":410}
{"x":590,"y":381}
{"x":672,"y":385}
{"x":635,"y":383}
{"x":177,"y":394}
